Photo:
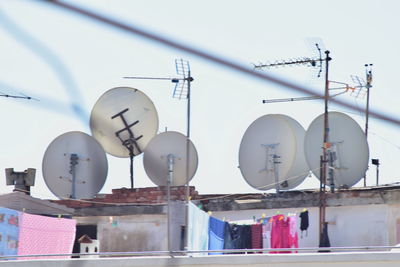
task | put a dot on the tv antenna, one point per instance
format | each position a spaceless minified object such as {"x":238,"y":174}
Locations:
{"x":316,"y":62}
{"x":325,"y":164}
{"x":343,"y":87}
{"x":362,"y":90}
{"x":363,"y":87}
{"x":182,"y":90}
{"x":17,"y":96}
{"x":182,"y":84}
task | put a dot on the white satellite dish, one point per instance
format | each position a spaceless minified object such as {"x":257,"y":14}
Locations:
{"x":349,"y":148}
{"x":124,"y":117}
{"x":74,"y":166}
{"x":124,"y":120}
{"x":271,"y":154}
{"x":170,"y":148}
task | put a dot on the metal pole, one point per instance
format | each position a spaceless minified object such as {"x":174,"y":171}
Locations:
{"x":324,"y":165}
{"x":276,"y":173}
{"x":73,"y":162}
{"x":321,"y":200}
{"x":368,"y":75}
{"x":187,"y":162}
{"x":131,"y":156}
{"x":377,"y":175}
{"x":171,"y":162}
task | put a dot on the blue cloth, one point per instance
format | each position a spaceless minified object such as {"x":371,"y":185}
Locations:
{"x":216,"y":235}
{"x":9,"y":231}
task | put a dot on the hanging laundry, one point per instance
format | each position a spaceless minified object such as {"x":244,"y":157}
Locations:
{"x":216,"y":235}
{"x":9,"y":231}
{"x":280,"y":233}
{"x":198,"y":229}
{"x":45,"y":235}
{"x":256,"y":236}
{"x":245,"y":237}
{"x":237,"y":236}
{"x":266,"y":232}
{"x":304,"y":222}
{"x":293,"y":236}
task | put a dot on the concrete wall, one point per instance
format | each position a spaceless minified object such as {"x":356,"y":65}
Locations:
{"x":129,"y":232}
{"x":146,"y":232}
{"x":372,"y":259}
{"x":363,"y":225}
{"x":370,"y":225}
{"x":394,"y":224}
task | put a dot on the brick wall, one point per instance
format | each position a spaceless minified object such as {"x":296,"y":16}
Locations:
{"x":146,"y":195}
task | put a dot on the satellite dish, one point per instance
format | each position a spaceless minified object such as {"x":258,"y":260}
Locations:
{"x":271,"y":154}
{"x":124,"y":117}
{"x":349,"y":148}
{"x":74,"y":166}
{"x":170,"y":146}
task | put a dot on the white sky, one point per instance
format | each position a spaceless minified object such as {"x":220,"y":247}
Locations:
{"x":224,"y":103}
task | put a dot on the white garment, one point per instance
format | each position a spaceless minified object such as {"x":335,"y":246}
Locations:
{"x":266,"y":233}
{"x":198,"y":229}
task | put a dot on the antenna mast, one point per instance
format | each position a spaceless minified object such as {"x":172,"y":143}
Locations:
{"x":368,"y":85}
{"x":182,"y":90}
{"x":326,"y":162}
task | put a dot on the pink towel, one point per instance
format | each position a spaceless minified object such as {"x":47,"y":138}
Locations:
{"x":45,"y":235}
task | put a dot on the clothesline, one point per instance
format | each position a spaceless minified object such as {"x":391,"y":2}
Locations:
{"x":277,"y":231}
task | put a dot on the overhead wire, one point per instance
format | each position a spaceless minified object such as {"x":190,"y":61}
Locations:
{"x":55,"y":63}
{"x":225,"y":62}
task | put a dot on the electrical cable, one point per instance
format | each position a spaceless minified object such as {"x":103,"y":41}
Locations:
{"x":218,"y":60}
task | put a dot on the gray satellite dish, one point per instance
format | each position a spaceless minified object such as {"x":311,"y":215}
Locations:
{"x":74,"y":166}
{"x":170,"y":148}
{"x":349,"y":151}
{"x":124,"y":118}
{"x":271,"y":154}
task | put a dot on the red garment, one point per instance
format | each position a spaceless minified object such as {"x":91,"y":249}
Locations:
{"x":256,"y":236}
{"x":283,"y":233}
{"x":280,"y":233}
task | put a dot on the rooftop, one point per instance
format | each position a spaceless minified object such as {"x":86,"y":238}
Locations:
{"x":152,"y":200}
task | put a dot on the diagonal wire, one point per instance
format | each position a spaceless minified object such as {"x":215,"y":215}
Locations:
{"x":212,"y":58}
{"x":51,"y":58}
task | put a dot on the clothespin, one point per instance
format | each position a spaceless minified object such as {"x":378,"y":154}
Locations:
{"x":110,"y":219}
{"x":190,"y":197}
{"x":304,"y":209}
{"x":263,"y":215}
{"x":23,"y":209}
{"x":209,"y":213}
{"x":59,"y":216}
{"x":223,"y":219}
